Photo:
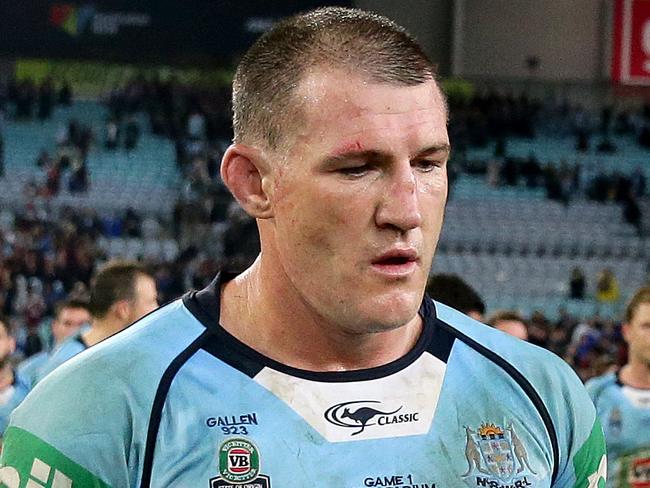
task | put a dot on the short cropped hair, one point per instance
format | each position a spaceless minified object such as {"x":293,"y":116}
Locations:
{"x":115,"y":281}
{"x":642,"y":295}
{"x":344,"y":38}
{"x":451,"y":290}
{"x":70,"y":303}
{"x":500,"y":315}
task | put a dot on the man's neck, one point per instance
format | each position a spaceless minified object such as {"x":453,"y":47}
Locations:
{"x":636,"y":374}
{"x":100,"y":329}
{"x":277,"y":323}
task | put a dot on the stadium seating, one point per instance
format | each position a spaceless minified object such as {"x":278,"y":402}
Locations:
{"x":146,"y":178}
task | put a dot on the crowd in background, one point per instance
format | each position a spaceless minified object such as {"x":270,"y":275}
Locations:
{"x":494,"y":118}
{"x":47,"y":256}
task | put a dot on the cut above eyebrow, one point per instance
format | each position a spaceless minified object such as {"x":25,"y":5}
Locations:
{"x":346,"y":155}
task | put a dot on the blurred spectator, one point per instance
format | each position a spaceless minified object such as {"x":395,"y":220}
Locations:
{"x":46,"y":100}
{"x":78,"y":182}
{"x":25,"y":99}
{"x":632,"y":212}
{"x":577,"y":284}
{"x":53,"y":181}
{"x":622,"y":400}
{"x":132,"y":224}
{"x":2,"y":154}
{"x":510,"y":322}
{"x":607,"y":290}
{"x":69,"y":316}
{"x":453,"y":291}
{"x":122,"y":292}
{"x":111,"y":135}
{"x":639,"y":182}
{"x":131,"y":134}
{"x":65,"y":94}
{"x":538,"y":329}
{"x":13,"y":387}
{"x":196,"y":125}
{"x":43,"y":160}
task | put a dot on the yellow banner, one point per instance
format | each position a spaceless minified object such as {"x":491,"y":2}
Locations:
{"x":93,"y":79}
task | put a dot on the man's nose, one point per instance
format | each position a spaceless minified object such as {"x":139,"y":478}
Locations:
{"x":399,"y":206}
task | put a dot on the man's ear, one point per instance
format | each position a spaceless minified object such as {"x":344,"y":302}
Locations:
{"x":121,"y":309}
{"x":247,"y":175}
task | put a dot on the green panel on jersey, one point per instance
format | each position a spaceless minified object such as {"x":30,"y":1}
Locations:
{"x":26,"y":458}
{"x":590,"y":462}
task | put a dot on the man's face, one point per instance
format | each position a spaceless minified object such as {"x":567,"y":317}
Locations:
{"x":68,"y":322}
{"x":637,"y":334}
{"x":358,"y":201}
{"x":146,"y":298}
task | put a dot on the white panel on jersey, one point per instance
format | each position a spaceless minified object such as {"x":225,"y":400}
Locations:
{"x":640,"y":398}
{"x":398,"y":405}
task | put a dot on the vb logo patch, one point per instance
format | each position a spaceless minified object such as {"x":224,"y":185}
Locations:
{"x":239,"y":464}
{"x":496,"y":455}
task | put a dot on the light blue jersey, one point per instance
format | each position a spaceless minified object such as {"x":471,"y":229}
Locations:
{"x":11,"y":397}
{"x":66,"y":350}
{"x":31,"y":367}
{"x":625,"y":415}
{"x":176,"y":401}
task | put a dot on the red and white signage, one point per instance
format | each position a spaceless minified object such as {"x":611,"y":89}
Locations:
{"x":631,"y":53}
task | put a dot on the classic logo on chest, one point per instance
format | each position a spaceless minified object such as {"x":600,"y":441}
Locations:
{"x":367,"y":413}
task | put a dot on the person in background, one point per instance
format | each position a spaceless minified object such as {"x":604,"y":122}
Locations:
{"x":577,"y":284}
{"x":451,"y":290}
{"x":121,"y":293}
{"x":622,"y":401}
{"x":510,"y":322}
{"x":13,"y":386}
{"x":69,"y":317}
{"x":607,"y":290}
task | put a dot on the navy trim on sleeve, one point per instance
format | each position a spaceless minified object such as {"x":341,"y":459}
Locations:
{"x":523,"y":383}
{"x":159,"y":403}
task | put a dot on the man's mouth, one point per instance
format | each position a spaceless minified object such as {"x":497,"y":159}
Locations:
{"x":396,"y":262}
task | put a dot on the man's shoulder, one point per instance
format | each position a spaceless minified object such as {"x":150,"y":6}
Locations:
{"x":598,"y":385}
{"x":91,"y":412}
{"x":62,"y":353}
{"x":494,"y":343}
{"x":158,"y":337}
{"x":30,"y":367}
{"x":119,"y":373}
{"x":68,"y":348}
{"x":533,"y":367}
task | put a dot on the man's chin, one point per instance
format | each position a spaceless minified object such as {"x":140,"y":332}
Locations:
{"x":390,"y":316}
